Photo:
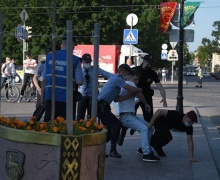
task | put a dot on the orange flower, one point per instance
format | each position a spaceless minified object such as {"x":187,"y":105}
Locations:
{"x":82,"y":128}
{"x":55,"y":129}
{"x":31,"y":121}
{"x":88,"y":123}
{"x":81,"y":120}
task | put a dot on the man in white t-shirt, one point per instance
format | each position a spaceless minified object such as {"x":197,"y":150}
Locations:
{"x":29,"y":66}
{"x":129,"y":120}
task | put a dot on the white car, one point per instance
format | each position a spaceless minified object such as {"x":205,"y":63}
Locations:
{"x":206,"y":74}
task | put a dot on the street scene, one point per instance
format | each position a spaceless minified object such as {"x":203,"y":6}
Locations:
{"x":206,"y":102}
{"x":102,"y":90}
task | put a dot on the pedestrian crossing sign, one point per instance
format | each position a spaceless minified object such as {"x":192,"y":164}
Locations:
{"x":130,"y":36}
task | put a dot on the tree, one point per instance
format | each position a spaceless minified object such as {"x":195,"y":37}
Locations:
{"x":84,"y":14}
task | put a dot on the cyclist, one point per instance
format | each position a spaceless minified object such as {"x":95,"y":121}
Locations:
{"x":29,"y":66}
{"x":6,"y":71}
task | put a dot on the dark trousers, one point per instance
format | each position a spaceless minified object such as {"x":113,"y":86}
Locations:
{"x":162,"y":134}
{"x":3,"y":81}
{"x":25,"y":81}
{"x":83,"y":105}
{"x":111,"y":121}
{"x":147,"y":116}
{"x":60,"y":110}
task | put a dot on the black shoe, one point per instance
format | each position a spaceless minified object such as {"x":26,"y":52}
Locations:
{"x":132,"y":131}
{"x":139,"y":151}
{"x":196,"y":86}
{"x":114,"y":154}
{"x":160,"y":151}
{"x":121,"y":140}
{"x":200,"y":86}
{"x":150,"y":158}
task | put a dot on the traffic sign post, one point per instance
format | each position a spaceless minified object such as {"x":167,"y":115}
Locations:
{"x":164,"y":52}
{"x":24,"y":17}
{"x":130,"y":36}
{"x":172,"y":55}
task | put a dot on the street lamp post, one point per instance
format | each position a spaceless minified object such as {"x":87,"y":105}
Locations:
{"x":179,"y":106}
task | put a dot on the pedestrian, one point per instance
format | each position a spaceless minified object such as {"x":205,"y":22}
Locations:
{"x":200,"y":76}
{"x":86,"y":88}
{"x":128,"y":118}
{"x":6,"y":71}
{"x":164,"y":75}
{"x":163,"y":121}
{"x":108,"y":93}
{"x":29,"y":66}
{"x":60,"y":78}
{"x":148,"y":76}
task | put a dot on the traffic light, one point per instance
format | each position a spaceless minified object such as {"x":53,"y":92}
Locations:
{"x":28,"y":33}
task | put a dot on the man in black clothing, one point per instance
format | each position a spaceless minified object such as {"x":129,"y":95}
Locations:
{"x":163,"y":121}
{"x":148,"y":76}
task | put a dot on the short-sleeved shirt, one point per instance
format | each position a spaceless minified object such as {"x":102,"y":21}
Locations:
{"x":148,"y":76}
{"x":30,"y":70}
{"x":112,"y":88}
{"x":173,"y":120}
{"x":127,"y":105}
{"x":86,"y":88}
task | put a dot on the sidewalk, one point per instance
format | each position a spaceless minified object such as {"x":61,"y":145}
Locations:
{"x":176,"y":166}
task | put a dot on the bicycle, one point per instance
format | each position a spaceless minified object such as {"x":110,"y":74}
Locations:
{"x":12,"y":93}
{"x":30,"y":92}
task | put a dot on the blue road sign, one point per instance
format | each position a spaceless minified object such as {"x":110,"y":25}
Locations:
{"x":20,"y":32}
{"x":130,"y":36}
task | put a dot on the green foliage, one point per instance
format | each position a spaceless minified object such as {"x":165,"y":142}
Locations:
{"x":111,"y":15}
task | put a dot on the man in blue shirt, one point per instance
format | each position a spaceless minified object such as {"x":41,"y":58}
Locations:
{"x":60,"y":78}
{"x":86,"y":88}
{"x":110,"y":92}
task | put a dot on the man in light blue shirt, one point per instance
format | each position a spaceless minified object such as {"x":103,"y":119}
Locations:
{"x":110,"y":92}
{"x":86,"y":88}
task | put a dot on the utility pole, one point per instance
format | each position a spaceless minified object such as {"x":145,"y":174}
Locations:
{"x":179,"y":106}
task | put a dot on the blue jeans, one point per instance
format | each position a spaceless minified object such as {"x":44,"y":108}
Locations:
{"x":140,"y":125}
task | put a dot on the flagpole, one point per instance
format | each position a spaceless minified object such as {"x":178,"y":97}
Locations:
{"x":179,"y":106}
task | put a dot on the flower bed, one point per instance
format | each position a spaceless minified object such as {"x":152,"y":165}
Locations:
{"x":59,"y":125}
{"x":33,"y":150}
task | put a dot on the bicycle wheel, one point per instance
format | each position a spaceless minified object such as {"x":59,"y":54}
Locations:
{"x":34,"y":93}
{"x":12,"y":94}
{"x":27,"y":93}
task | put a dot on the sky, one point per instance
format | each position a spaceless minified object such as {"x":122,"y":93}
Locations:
{"x":207,"y":13}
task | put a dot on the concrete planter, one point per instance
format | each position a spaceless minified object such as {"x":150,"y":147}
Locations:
{"x":32,"y":155}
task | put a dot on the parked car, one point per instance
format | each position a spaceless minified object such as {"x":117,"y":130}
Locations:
{"x":206,"y":74}
{"x":217,"y":75}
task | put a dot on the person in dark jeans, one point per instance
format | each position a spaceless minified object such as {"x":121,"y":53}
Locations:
{"x":163,"y":121}
{"x":108,"y":93}
{"x":29,"y":66}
